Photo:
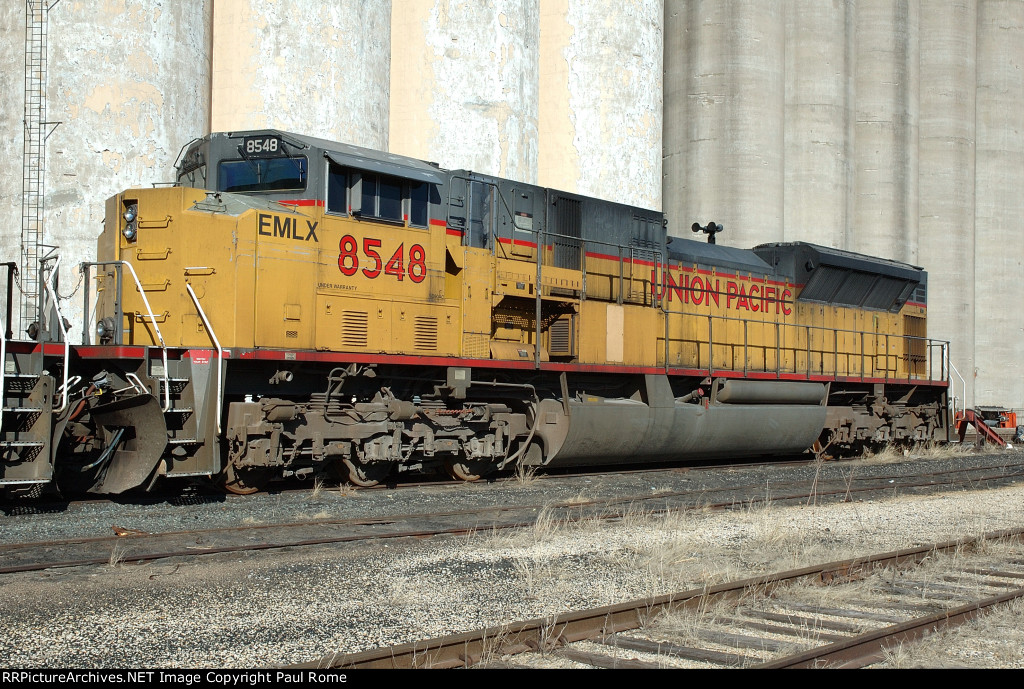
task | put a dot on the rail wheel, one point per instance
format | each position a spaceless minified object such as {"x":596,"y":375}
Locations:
{"x":244,"y":480}
{"x":469,"y":469}
{"x":367,"y":475}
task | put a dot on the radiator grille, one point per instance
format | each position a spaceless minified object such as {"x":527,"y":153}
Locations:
{"x":425,"y":333}
{"x":354,"y":328}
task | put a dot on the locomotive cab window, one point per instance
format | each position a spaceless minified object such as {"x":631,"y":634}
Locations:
{"x":262,"y":174}
{"x":382,"y":197}
{"x":337,"y":189}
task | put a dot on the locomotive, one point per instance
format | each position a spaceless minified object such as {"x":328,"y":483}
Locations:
{"x":295,"y":307}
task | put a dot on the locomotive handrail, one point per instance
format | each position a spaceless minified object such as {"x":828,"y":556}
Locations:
{"x":951,"y":367}
{"x":216,"y":343}
{"x":3,"y":369}
{"x":885,"y":371}
{"x":64,"y":337}
{"x":149,"y":313}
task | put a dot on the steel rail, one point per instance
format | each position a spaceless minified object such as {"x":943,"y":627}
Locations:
{"x":408,"y":533}
{"x":866,"y":649}
{"x":461,"y":650}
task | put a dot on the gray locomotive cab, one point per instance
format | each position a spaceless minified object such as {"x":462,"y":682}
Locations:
{"x":292,"y":169}
{"x":494,"y":213}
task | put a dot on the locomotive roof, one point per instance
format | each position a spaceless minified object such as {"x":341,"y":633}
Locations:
{"x":845,"y":278}
{"x":352,"y":156}
{"x":701,"y":253}
{"x":838,"y":258}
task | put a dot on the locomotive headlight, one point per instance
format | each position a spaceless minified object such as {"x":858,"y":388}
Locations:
{"x":130,"y":215}
{"x":105,"y":329}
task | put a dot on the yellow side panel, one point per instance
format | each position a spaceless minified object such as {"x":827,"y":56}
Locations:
{"x":286,"y":279}
{"x":477,"y":287}
{"x":593,"y":329}
{"x":643,"y":326}
{"x":352,"y":324}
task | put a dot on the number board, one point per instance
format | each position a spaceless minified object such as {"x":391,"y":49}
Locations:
{"x":262,"y":147}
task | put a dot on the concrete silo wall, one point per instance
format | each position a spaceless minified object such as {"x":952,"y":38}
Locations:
{"x":12,"y":88}
{"x":819,"y":122}
{"x":464,"y":85}
{"x":129,"y":82}
{"x":947,"y":171}
{"x":304,"y":66}
{"x":601,"y":99}
{"x":724,"y":121}
{"x":999,"y":204}
{"x":885,"y":215}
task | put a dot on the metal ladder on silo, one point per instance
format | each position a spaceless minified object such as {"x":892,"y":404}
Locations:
{"x":37,"y":130}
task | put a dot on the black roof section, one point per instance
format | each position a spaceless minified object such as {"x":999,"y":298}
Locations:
{"x":844,"y":278}
{"x":691,"y":252}
{"x":353,"y":156}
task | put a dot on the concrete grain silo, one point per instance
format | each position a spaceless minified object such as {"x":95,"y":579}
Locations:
{"x":464,"y":85}
{"x":724,"y":117}
{"x":819,"y":122}
{"x":128,"y":81}
{"x":946,"y":145}
{"x":885,"y":217}
{"x":999,"y":204}
{"x":601,"y":99}
{"x":12,"y":87}
{"x":305,"y":66}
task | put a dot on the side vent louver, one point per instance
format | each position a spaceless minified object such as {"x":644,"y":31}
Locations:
{"x":425,"y":333}
{"x":354,"y":329}
{"x":560,"y":335}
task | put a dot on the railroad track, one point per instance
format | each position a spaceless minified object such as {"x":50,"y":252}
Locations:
{"x":773,"y":621}
{"x":128,"y":545}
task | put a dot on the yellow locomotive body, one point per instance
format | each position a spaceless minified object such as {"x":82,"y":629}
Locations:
{"x":294,"y":277}
{"x":322,"y":305}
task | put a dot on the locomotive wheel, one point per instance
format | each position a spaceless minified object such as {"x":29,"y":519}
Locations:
{"x":367,"y":475}
{"x":469,"y":469}
{"x":244,"y":480}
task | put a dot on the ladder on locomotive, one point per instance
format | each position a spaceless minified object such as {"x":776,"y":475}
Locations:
{"x":26,"y":410}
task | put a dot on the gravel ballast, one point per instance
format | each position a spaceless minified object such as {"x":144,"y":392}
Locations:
{"x":298,"y":604}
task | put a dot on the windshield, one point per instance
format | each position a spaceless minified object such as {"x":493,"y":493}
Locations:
{"x":262,"y":174}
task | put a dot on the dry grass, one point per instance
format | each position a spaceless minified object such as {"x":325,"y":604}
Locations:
{"x":897,"y":453}
{"x":525,"y":475}
{"x":117,"y":554}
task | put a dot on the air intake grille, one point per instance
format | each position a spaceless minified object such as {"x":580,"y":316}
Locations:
{"x":561,"y":338}
{"x":425,"y":333}
{"x":354,"y":328}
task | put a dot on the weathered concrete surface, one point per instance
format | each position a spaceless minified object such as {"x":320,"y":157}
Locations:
{"x":12,"y":89}
{"x":887,"y":80}
{"x":305,"y":66}
{"x":464,"y":85}
{"x":725,"y":104}
{"x":946,"y":152}
{"x":601,"y":99}
{"x":819,"y":122}
{"x":129,"y":82}
{"x":999,"y":204}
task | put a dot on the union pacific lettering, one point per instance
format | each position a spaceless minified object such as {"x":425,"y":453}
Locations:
{"x":739,"y":295}
{"x":288,"y":228}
